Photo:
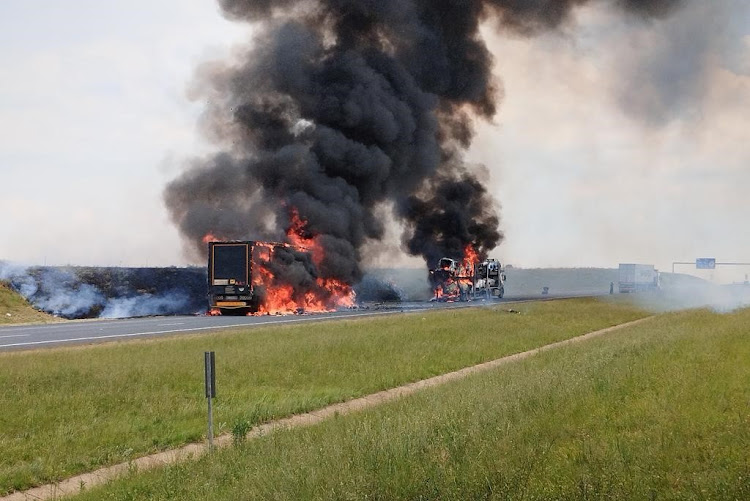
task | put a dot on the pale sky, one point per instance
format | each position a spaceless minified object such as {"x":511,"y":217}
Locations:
{"x":616,"y":141}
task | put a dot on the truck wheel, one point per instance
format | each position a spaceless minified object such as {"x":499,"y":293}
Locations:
{"x":254,"y":306}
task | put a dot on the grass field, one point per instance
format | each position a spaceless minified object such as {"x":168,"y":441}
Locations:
{"x":656,"y":411}
{"x":75,"y":409}
{"x":16,"y":310}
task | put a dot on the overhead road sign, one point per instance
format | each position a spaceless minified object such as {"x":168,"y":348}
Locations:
{"x":705,"y":263}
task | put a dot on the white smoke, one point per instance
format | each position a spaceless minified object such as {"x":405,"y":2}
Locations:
{"x":61,"y":292}
{"x":21,"y":281}
{"x":719,"y":298}
{"x":54,"y":291}
{"x":146,"y":305}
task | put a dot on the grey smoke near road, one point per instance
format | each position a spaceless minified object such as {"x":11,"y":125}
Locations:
{"x":340,"y":108}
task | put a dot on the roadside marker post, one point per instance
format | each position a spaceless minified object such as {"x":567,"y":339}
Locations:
{"x":209,"y":362}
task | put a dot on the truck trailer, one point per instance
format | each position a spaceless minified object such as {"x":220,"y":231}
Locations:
{"x":638,"y":277}
{"x":489,"y":280}
{"x":230,"y":277}
{"x":236,"y":279}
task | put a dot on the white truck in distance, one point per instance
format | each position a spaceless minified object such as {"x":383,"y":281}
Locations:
{"x":638,"y":277}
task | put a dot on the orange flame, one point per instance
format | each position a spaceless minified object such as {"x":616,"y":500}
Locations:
{"x":299,"y":236}
{"x":471,"y":257}
{"x":326,"y":295}
{"x":462,"y":274}
{"x":209,"y":237}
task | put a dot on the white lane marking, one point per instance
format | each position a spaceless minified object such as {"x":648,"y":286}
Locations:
{"x":173,"y":323}
{"x":268,"y":322}
{"x":106,"y":323}
{"x":214,"y":327}
{"x":93,"y":322}
{"x":14,"y":335}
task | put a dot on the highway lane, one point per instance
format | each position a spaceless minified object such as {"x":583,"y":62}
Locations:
{"x":25,"y":337}
{"x":82,"y":332}
{"x":20,"y":337}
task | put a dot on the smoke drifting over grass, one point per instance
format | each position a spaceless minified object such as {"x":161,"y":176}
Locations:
{"x":109,"y":292}
{"x":719,"y":298}
{"x":340,"y":108}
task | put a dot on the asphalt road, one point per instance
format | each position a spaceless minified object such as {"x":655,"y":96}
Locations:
{"x":25,"y":337}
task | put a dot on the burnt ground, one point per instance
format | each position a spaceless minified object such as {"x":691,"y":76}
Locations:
{"x":93,"y":292}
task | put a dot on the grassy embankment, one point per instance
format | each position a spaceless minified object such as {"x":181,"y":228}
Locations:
{"x":657,"y":411}
{"x":14,"y":309}
{"x":75,"y":409}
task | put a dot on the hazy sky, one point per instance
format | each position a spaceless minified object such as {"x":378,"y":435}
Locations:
{"x":616,"y":140}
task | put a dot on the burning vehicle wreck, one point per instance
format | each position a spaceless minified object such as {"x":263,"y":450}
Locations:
{"x":253,"y":277}
{"x":335,"y":131}
{"x":450,"y":281}
{"x":339,"y":121}
{"x":468,"y":279}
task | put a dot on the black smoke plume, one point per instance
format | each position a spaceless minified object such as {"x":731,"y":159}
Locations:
{"x":343,"y":109}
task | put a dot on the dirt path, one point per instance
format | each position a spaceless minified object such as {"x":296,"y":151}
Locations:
{"x":101,"y":476}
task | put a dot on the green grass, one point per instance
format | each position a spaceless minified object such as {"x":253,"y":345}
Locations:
{"x":14,"y":309}
{"x":76,"y":409}
{"x":657,"y":411}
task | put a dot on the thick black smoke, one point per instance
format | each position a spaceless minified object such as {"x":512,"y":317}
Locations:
{"x":463,"y":218}
{"x":343,"y":107}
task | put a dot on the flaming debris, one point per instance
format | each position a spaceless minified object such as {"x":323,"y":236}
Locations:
{"x":455,"y":280}
{"x":343,"y":111}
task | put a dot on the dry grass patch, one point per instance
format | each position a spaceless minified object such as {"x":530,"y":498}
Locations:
{"x":14,"y":309}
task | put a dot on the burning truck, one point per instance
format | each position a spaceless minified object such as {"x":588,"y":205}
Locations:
{"x":467,"y":279}
{"x":341,"y":119}
{"x":230,"y":277}
{"x":254,"y":277}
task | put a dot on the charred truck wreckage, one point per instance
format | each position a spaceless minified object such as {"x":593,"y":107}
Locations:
{"x":342,"y":119}
{"x":467,"y":279}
